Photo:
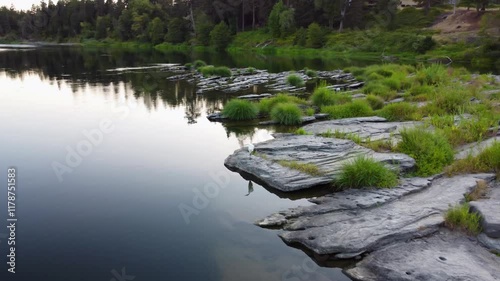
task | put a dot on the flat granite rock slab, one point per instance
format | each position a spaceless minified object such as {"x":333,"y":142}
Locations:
{"x":351,"y":199}
{"x":328,"y":154}
{"x":489,"y":209}
{"x":373,"y":128}
{"x":349,"y":233}
{"x":444,"y":256}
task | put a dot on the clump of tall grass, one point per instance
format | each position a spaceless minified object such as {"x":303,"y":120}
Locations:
{"x":267,"y":105}
{"x":199,"y":63}
{"x":295,"y":80}
{"x":435,"y":74}
{"x":211,"y":70}
{"x":375,"y":102}
{"x":357,"y":108}
{"x":311,"y":73}
{"x":486,"y":161}
{"x":430,"y":150}
{"x":378,"y":89}
{"x":401,"y":111}
{"x":461,"y":218}
{"x":452,"y":100}
{"x":467,"y":131}
{"x":287,"y":114}
{"x":342,"y":135}
{"x":323,"y":96}
{"x":238,"y":109}
{"x":365,"y":172}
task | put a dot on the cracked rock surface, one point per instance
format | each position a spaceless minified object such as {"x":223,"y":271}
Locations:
{"x":445,"y":256}
{"x":328,"y":154}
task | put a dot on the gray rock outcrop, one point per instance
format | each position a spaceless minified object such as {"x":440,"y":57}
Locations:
{"x":328,"y":154}
{"x":489,"y":209}
{"x":373,"y":128}
{"x":446,"y":256}
{"x":349,"y":233}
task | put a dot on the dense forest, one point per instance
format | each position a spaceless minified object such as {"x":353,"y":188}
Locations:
{"x":200,"y":22}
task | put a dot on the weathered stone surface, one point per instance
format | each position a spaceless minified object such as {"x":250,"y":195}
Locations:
{"x":373,"y":128}
{"x":351,"y":199}
{"x":328,"y":154}
{"x":349,"y":233}
{"x":490,"y":243}
{"x":446,"y":256}
{"x":489,"y":209}
{"x":474,"y":149}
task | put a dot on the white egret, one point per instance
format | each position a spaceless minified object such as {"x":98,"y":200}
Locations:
{"x":251,"y":148}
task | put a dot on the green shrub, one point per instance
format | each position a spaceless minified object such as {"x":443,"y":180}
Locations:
{"x":237,"y":109}
{"x":300,"y":37}
{"x":315,"y":36}
{"x":419,"y":89}
{"x":467,"y":131}
{"x":425,"y":44}
{"x":460,"y":217}
{"x":375,"y":102}
{"x":452,"y":100}
{"x":365,"y":172}
{"x":379,"y":89}
{"x":430,"y":150}
{"x":287,"y":114}
{"x":267,"y":105}
{"x":220,"y":36}
{"x":295,"y":80}
{"x":392,"y":83}
{"x":323,"y":96}
{"x":311,"y":73}
{"x":401,"y":111}
{"x":210,"y":70}
{"x":199,"y":63}
{"x":301,"y":132}
{"x":357,"y":108}
{"x":310,"y":111}
{"x":434,"y":74}
{"x":487,"y":161}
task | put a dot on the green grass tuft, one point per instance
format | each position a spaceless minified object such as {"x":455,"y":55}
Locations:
{"x":287,"y":114}
{"x":267,"y":105}
{"x":210,"y":70}
{"x":375,"y":102}
{"x":301,"y":132}
{"x":401,"y":111}
{"x":365,"y":172}
{"x":199,"y":63}
{"x":307,"y":168}
{"x":430,"y":150}
{"x":357,"y":108}
{"x":460,"y":218}
{"x":237,"y":109}
{"x":295,"y":80}
{"x":323,"y":96}
{"x":487,"y":161}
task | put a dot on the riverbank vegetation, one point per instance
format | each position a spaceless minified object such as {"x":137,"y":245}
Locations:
{"x":461,"y":218}
{"x":289,"y":27}
{"x":365,"y":172}
{"x":448,"y":107}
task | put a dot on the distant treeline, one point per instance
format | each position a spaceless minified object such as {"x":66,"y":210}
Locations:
{"x":200,"y":22}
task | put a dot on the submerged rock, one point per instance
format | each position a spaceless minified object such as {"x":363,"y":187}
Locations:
{"x":351,"y":232}
{"x":446,"y":256}
{"x":328,"y":154}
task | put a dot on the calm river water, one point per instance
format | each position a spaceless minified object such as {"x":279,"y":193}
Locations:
{"x":108,"y":155}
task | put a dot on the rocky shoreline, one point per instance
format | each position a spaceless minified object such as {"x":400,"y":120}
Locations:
{"x":397,"y":233}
